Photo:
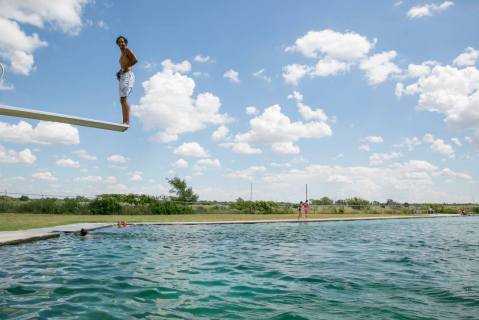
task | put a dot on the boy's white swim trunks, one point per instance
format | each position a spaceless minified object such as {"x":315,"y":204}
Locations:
{"x":127,"y":80}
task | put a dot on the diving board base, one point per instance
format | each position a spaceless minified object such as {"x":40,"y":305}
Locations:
{"x":55,"y":117}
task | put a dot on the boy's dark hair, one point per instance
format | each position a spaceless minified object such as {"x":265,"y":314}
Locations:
{"x":121,"y":37}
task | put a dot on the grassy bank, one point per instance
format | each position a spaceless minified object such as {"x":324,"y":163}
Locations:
{"x":22,"y":221}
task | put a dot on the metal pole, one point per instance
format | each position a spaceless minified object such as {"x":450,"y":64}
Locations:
{"x":251,"y":198}
{"x":306,"y":192}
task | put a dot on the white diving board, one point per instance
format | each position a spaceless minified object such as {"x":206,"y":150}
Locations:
{"x":55,"y":117}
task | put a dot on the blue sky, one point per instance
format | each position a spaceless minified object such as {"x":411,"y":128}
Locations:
{"x":372,"y":99}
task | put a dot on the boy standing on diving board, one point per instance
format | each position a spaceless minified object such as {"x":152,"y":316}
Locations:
{"x":125,"y":76}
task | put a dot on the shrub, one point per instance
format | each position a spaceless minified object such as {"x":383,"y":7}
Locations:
{"x":106,"y":205}
{"x":437,"y":208}
{"x":258,"y":207}
{"x":169,"y":208}
{"x":70,"y":205}
{"x":200,"y":209}
{"x":323,"y":201}
{"x":47,"y":205}
{"x":339,"y":210}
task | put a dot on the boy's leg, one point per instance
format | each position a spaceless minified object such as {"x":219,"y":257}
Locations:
{"x":125,"y":108}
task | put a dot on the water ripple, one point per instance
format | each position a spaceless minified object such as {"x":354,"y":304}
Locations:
{"x":394,"y":269}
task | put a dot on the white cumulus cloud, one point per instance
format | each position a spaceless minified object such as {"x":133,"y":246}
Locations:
{"x":329,"y":67}
{"x":44,"y":175}
{"x":428,"y":9}
{"x":439,"y":146}
{"x":446,"y":172}
{"x":232,"y":76}
{"x":220,"y":133}
{"x":241,"y":147}
{"x":168,"y":105}
{"x":117,"y":158}
{"x":248,"y":173}
{"x":409,"y":143}
{"x":11,"y":156}
{"x":272,"y":126}
{"x":379,"y":67}
{"x":451,"y":91}
{"x":251,"y":110}
{"x":374,"y":139}
{"x":296,"y":95}
{"x":89,"y":179}
{"x":182,"y":67}
{"x":18,"y":47}
{"x":409,"y":181}
{"x":467,"y":58}
{"x":209,"y":163}
{"x":181,"y":163}
{"x":68,"y":163}
{"x":191,"y":149}
{"x":42,"y":133}
{"x":285,"y":148}
{"x":456,"y":141}
{"x":136,"y":176}
{"x":364,"y":147}
{"x":418,"y":70}
{"x":379,"y":158}
{"x":201,"y":59}
{"x":337,"y":45}
{"x":306,"y":112}
{"x":84,"y":155}
{"x":337,"y":53}
{"x":293,"y":73}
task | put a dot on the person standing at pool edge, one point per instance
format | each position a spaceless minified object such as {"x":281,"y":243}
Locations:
{"x":125,"y":76}
{"x":300,"y":209}
{"x":306,"y":209}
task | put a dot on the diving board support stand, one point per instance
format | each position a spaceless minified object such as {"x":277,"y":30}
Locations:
{"x":55,"y":117}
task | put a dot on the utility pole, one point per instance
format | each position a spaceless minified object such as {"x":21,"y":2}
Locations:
{"x":251,"y":198}
{"x":251,"y":192}
{"x":306,"y":192}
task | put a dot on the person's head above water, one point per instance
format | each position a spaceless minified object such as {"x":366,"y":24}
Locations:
{"x":83,"y":232}
{"x":122,"y":42}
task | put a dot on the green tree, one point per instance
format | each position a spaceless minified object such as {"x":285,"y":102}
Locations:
{"x":181,"y":190}
{"x":105,"y":205}
{"x":323,"y":201}
{"x":391,"y":202}
{"x":357,"y":203}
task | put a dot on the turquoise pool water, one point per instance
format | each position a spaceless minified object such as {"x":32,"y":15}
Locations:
{"x":394,"y":269}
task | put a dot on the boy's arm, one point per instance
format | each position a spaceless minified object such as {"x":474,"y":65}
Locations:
{"x":131,"y":57}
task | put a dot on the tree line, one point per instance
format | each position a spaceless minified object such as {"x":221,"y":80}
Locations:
{"x":183,"y":200}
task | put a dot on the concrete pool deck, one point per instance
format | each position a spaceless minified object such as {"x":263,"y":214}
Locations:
{"x":295,"y":220}
{"x":20,"y":236}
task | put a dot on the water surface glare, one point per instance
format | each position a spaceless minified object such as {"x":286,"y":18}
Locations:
{"x":383,"y":269}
